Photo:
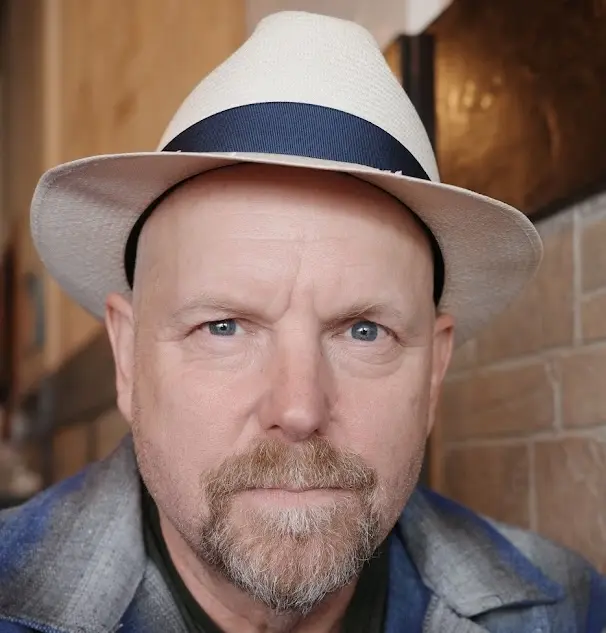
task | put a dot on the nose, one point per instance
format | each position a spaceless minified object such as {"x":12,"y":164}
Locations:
{"x":297,"y":402}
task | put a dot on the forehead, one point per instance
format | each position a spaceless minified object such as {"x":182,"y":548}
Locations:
{"x":269,"y":226}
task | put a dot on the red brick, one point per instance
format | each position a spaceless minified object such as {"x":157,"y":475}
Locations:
{"x":571,"y":494}
{"x":497,"y":403}
{"x":583,"y":377}
{"x":593,"y":250}
{"x":493,"y":481}
{"x":593,"y":317}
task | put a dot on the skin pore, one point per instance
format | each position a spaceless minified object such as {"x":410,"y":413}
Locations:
{"x":279,"y":365}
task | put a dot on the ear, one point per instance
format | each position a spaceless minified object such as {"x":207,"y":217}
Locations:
{"x":120,"y":326}
{"x":443,"y":339}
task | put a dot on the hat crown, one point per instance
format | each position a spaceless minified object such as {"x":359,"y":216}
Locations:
{"x":312,"y":59}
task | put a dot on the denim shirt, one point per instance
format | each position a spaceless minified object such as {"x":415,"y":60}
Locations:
{"x":72,"y":560}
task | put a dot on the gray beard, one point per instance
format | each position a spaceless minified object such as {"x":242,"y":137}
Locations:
{"x":291,"y":559}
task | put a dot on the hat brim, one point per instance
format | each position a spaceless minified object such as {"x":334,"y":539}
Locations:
{"x":83,"y":211}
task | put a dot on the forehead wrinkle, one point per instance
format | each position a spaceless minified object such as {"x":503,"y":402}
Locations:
{"x":317,"y":193}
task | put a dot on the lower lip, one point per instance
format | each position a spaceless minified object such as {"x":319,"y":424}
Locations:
{"x":290,"y":497}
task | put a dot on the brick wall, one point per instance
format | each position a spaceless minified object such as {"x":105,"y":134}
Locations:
{"x":522,"y":430}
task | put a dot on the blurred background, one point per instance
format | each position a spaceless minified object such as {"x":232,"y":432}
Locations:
{"x":513,"y":94}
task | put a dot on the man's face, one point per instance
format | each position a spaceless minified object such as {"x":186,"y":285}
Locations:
{"x":280,"y":368}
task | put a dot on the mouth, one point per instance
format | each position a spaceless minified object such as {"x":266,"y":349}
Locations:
{"x":286,"y":496}
{"x":296,"y":489}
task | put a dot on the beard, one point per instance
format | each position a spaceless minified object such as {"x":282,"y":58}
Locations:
{"x":289,"y":557}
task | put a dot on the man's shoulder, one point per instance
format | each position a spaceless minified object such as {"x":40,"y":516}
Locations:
{"x":564,"y":565}
{"x":94,"y":490}
{"x":84,"y":524}
{"x":23,"y":528}
{"x":499,"y":564}
{"x":29,"y":535}
{"x":516,"y":545}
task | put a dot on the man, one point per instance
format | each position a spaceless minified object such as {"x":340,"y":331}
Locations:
{"x":282,"y":283}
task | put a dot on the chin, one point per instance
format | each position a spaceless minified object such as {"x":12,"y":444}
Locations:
{"x":291,"y":558}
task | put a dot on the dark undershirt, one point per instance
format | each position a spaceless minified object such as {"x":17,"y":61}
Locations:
{"x":365,"y":613}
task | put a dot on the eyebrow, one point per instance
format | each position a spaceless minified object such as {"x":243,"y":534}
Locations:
{"x":205,"y":302}
{"x":369,"y":310}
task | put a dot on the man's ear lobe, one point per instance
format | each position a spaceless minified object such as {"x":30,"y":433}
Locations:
{"x":120,"y":326}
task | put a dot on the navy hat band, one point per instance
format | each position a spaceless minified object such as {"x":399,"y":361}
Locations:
{"x":299,"y":129}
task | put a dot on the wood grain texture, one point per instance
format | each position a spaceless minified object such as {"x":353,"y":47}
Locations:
{"x":23,"y":105}
{"x":125,"y":66}
{"x":85,"y":78}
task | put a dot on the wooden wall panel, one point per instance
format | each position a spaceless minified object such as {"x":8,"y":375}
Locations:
{"x":109,"y":430}
{"x":71,"y":449}
{"x":128,"y":65}
{"x":88,"y":77}
{"x":392,"y":55}
{"x":23,"y":117}
{"x":82,"y":77}
{"x":125,"y":67}
{"x":121,"y":69}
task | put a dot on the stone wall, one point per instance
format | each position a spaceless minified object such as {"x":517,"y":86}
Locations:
{"x":522,"y":430}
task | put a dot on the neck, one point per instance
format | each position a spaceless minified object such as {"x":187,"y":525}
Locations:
{"x":234,"y":611}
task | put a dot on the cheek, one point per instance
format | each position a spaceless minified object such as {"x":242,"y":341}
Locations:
{"x":193,"y":413}
{"x":182,"y":431}
{"x":385,"y":422}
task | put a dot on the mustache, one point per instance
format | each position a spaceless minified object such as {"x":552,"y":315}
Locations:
{"x":273,"y":464}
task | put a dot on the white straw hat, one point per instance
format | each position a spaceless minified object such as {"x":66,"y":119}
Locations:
{"x":306,"y":91}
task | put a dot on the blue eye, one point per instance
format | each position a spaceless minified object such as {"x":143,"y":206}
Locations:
{"x":365,"y":331}
{"x":227,"y":327}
